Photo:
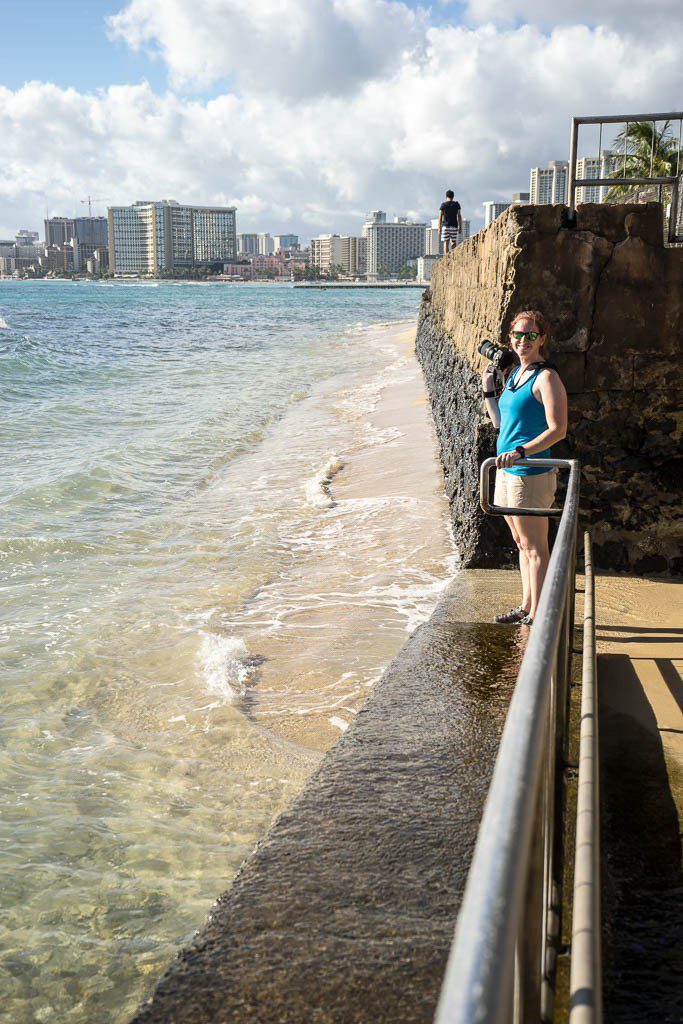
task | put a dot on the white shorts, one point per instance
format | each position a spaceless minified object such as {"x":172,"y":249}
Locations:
{"x":534,"y":491}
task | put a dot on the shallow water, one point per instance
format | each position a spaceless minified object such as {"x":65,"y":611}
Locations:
{"x":199,"y":507}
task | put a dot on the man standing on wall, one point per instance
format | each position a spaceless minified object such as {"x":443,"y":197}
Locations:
{"x":450,"y":222}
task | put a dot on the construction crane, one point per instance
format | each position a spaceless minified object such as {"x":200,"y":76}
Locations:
{"x":90,"y":200}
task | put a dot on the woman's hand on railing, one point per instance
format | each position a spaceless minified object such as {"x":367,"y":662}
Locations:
{"x":506,"y":459}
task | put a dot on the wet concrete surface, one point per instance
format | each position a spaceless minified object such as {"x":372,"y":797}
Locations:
{"x":345,"y":912}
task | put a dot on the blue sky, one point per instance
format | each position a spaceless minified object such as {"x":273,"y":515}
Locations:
{"x":66,"y":42}
{"x":306,"y":113}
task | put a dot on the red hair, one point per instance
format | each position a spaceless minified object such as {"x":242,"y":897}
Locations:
{"x":541,"y":323}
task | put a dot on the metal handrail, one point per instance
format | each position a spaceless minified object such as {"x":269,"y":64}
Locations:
{"x":502,"y":510}
{"x":501,"y":963}
{"x":673,"y":180}
{"x":585,"y":981}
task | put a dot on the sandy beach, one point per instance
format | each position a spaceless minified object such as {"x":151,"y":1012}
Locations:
{"x":356,"y":594}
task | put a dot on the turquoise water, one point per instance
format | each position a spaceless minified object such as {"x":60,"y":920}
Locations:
{"x":165,"y":456}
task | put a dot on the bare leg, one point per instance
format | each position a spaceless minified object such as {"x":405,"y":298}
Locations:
{"x":523,"y":563}
{"x":533,"y":535}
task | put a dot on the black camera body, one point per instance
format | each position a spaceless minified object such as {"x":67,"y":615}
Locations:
{"x":499,"y":357}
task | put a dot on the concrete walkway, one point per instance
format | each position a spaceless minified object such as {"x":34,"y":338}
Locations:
{"x":345,"y":912}
{"x":640,"y":655}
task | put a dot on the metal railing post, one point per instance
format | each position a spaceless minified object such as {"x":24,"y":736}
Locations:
{"x":673,"y":210}
{"x":573,"y":144}
{"x":585,"y":982}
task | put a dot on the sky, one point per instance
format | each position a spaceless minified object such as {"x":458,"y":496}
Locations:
{"x":304,"y":114}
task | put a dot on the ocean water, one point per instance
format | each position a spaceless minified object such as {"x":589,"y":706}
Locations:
{"x":191,"y":519}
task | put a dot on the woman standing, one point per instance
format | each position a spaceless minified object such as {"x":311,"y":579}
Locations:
{"x":531,"y":415}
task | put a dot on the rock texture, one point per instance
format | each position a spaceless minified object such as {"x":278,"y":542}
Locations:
{"x":614,"y":295}
{"x":345,"y":912}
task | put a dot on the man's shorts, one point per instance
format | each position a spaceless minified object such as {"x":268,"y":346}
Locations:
{"x":515,"y":491}
{"x":449,"y":234}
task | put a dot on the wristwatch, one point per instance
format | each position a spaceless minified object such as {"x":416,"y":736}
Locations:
{"x":520,"y":451}
{"x":489,"y":394}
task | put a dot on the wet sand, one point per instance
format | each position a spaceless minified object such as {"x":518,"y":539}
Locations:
{"x":377,"y":561}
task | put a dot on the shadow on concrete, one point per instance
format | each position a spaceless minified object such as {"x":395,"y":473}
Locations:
{"x":672,"y":678}
{"x":652,"y":636}
{"x":640,"y":629}
{"x":641,"y":853}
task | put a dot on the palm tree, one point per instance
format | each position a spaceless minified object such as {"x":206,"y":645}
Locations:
{"x":644,"y":152}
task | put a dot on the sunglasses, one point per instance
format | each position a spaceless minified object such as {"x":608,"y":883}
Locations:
{"x":531,"y":335}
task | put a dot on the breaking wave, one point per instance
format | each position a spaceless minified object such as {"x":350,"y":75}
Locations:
{"x":318,"y":491}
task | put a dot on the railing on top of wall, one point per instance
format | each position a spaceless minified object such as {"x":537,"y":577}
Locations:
{"x":675,"y":229}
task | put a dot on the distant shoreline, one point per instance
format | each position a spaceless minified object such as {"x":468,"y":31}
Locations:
{"x":310,"y":286}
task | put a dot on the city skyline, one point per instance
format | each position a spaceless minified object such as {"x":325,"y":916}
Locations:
{"x":227,"y":106}
{"x":264,"y":242}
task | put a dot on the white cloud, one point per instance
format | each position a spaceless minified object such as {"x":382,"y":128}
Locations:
{"x":295,"y":48}
{"x":465,"y":107}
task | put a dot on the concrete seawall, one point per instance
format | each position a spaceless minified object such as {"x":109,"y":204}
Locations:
{"x":614,"y":296}
{"x":345,"y":911}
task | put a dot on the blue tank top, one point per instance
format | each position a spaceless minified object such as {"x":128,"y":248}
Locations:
{"x":522,"y":418}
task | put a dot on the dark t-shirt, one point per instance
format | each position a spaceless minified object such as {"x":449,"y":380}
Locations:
{"x":450,"y":213}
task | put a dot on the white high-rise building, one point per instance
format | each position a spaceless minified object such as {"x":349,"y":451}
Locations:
{"x":432,"y":246}
{"x":266,"y":246}
{"x":549,"y":184}
{"x":391,"y":243}
{"x":595,"y":167}
{"x":353,"y":255}
{"x":152,"y":236}
{"x":326,"y":252}
{"x":137,"y":245}
{"x":493,"y":209}
{"x":424,"y":268}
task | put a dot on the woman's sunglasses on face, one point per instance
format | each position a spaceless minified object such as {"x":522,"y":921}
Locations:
{"x":531,"y":335}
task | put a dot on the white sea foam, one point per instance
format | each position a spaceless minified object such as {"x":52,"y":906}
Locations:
{"x":339,"y":723}
{"x":318,"y":487}
{"x":224,"y":665}
{"x":4,"y":326}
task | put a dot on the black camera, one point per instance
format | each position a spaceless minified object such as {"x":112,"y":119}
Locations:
{"x":500,"y":358}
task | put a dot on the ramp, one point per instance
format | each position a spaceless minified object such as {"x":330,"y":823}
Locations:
{"x":345,"y":912}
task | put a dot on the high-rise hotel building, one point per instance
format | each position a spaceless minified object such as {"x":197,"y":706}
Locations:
{"x":326,"y":252}
{"x":390,"y":244}
{"x":345,"y":252}
{"x":493,"y":209}
{"x":149,"y":237}
{"x":549,"y":184}
{"x":602,"y":166}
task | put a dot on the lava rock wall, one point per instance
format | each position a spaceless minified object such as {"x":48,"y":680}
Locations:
{"x":613,"y":293}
